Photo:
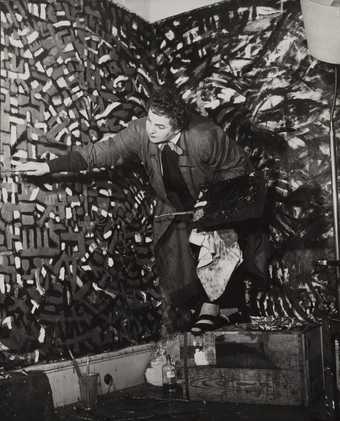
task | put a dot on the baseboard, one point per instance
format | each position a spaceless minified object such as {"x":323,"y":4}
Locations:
{"x":126,"y":368}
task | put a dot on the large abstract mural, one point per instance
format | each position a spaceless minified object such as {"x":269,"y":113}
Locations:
{"x":76,"y":264}
{"x":76,"y":268}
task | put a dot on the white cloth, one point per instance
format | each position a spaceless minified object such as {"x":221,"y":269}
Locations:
{"x":217,"y":261}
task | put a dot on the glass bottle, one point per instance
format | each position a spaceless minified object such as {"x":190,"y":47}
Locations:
{"x":169,"y":375}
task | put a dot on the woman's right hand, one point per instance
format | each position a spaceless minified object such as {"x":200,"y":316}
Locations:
{"x":32,"y":168}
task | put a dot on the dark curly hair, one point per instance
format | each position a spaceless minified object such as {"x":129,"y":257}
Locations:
{"x":166,"y":101}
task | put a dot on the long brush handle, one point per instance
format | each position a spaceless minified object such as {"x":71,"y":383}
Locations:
{"x":75,"y":364}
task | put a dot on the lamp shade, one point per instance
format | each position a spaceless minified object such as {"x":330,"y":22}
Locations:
{"x":322,"y":28}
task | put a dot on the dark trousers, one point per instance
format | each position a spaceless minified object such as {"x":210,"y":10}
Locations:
{"x":181,"y":288}
{"x":176,"y":265}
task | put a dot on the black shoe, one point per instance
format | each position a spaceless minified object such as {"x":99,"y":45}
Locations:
{"x":207,"y":323}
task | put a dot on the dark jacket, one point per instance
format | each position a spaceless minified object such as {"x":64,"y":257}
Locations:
{"x":208,"y":156}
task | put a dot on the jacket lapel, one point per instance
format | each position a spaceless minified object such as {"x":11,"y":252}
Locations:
{"x":186,"y":165}
{"x":156,"y":177}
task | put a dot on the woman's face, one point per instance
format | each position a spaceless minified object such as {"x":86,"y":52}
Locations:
{"x":159,"y":128}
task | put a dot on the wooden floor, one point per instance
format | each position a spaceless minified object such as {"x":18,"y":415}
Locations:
{"x":149,"y":403}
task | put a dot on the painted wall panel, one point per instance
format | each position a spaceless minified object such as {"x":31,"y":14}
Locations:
{"x":247,"y":66}
{"x":75,"y":253}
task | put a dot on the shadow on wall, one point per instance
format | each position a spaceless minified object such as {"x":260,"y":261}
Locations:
{"x":76,"y":267}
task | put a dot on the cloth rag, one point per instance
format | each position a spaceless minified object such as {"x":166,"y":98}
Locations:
{"x":219,"y":256}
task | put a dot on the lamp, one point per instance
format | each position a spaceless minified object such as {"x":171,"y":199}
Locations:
{"x":322,"y":29}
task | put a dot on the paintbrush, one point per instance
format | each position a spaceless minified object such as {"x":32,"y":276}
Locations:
{"x":75,"y":363}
